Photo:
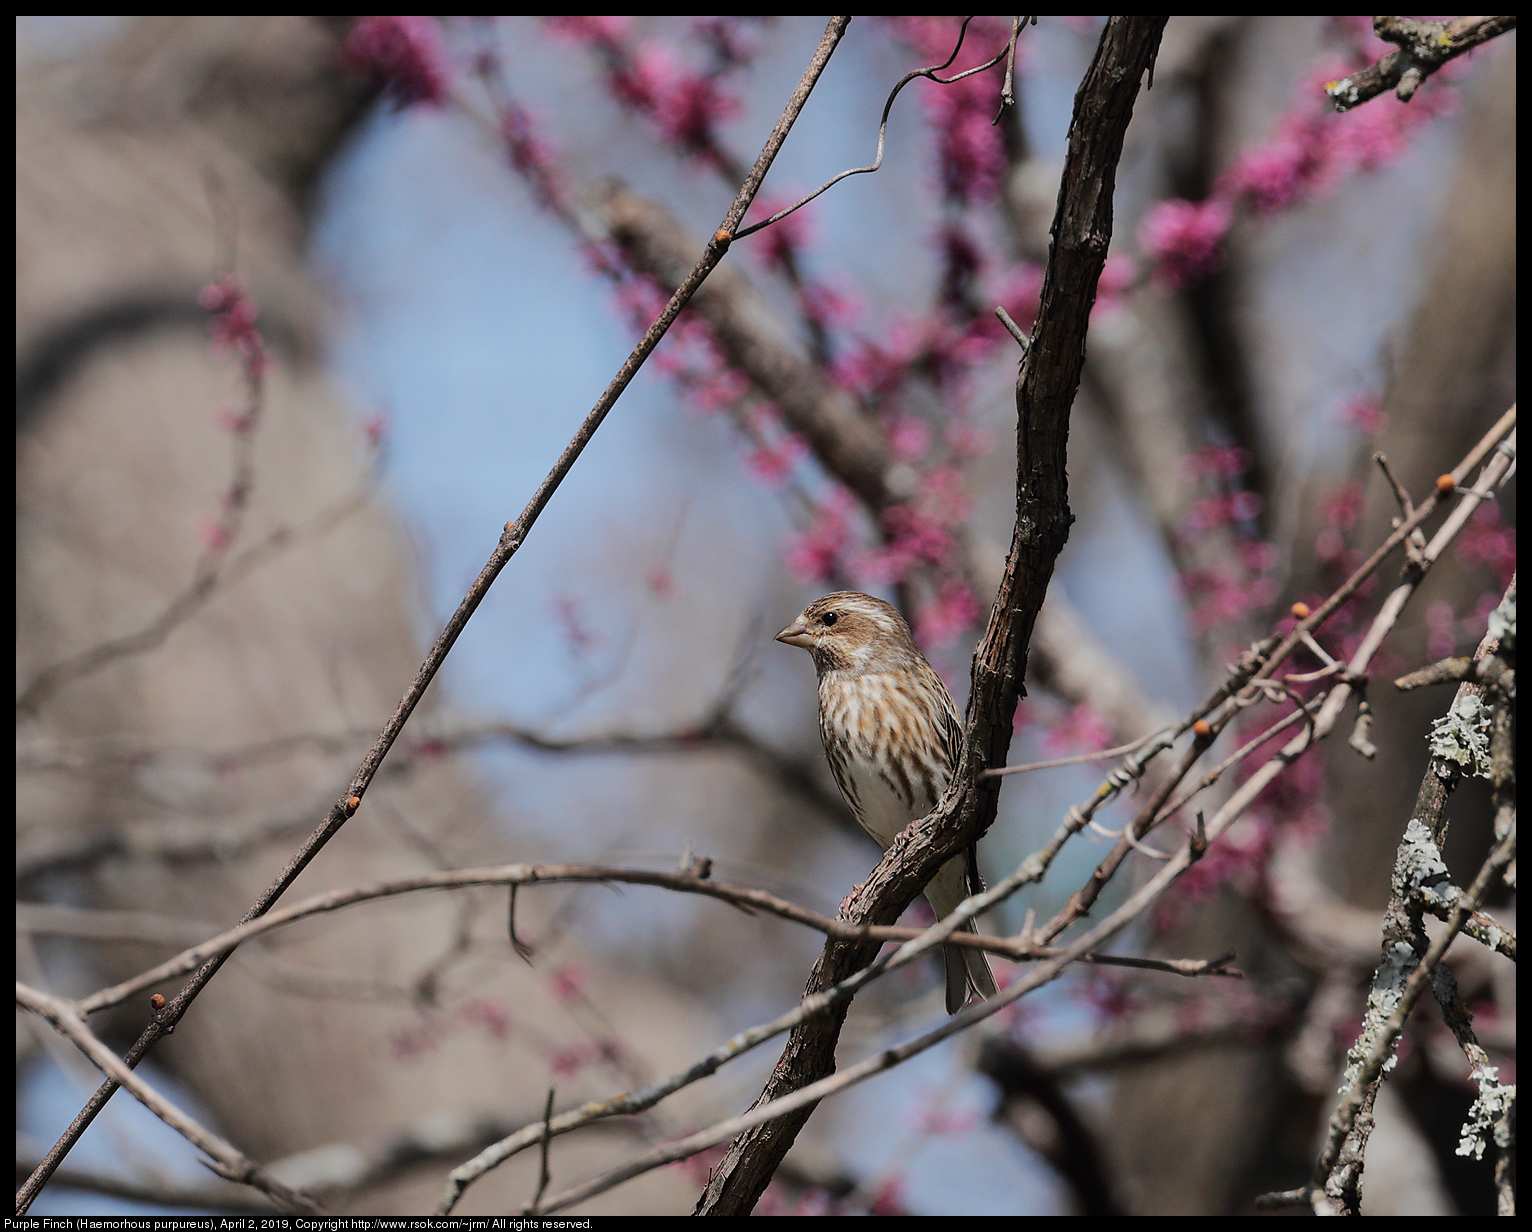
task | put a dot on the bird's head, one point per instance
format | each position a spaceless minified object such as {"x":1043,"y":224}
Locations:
{"x":850,"y":631}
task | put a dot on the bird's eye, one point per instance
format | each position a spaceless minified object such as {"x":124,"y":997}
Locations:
{"x":829,"y":618}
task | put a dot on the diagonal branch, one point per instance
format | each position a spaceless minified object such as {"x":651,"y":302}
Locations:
{"x":1049,"y":378}
{"x":229,"y":1162}
{"x":1424,"y":46}
{"x":511,"y":539}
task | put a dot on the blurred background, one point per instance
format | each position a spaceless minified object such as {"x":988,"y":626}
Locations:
{"x":308,"y":307}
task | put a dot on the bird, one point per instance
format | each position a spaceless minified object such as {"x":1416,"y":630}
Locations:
{"x":892,"y":737}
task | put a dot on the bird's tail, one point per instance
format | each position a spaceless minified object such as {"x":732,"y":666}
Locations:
{"x":966,"y":969}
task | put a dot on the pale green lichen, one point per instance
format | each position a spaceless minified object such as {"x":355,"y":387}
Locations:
{"x":1502,"y":622}
{"x":1461,"y":736}
{"x":1420,"y":861}
{"x":1489,"y":1115}
{"x":1387,"y":991}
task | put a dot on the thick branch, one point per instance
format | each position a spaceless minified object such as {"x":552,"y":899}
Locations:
{"x":1050,"y":376}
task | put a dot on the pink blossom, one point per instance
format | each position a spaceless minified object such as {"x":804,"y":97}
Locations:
{"x":1342,"y":508}
{"x":952,"y":614}
{"x":908,"y":438}
{"x":965,"y":440}
{"x":779,"y":243}
{"x":970,"y":146}
{"x":1365,"y":415}
{"x":404,"y":55}
{"x":1486,"y":541}
{"x":532,"y":157}
{"x":829,"y":306}
{"x":888,"y":1198}
{"x":233,"y":324}
{"x":774,"y":462}
{"x":814,"y":555}
{"x":488,"y":1015}
{"x":661,"y":580}
{"x":1219,"y":510}
{"x":1018,"y":291}
{"x":568,"y":981}
{"x":914,"y":537}
{"x":1184,"y":239}
{"x":719,"y":389}
{"x":1118,"y":277}
{"x":1223,"y":461}
{"x":1328,"y":545}
{"x":567,"y":1062}
{"x":239,"y":423}
{"x":213,"y":534}
{"x":1223,"y":595}
{"x":872,"y":370}
{"x":375,"y":428}
{"x":683,"y":104}
{"x":1082,"y":730}
{"x":1257,"y":555}
{"x":596,"y":31}
{"x":415,"y":1039}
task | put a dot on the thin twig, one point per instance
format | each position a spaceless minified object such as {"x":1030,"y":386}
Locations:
{"x":514,"y":535}
{"x":229,"y":1163}
{"x":883,"y":126}
{"x":543,"y":1176}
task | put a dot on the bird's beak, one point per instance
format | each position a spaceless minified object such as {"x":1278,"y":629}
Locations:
{"x":797,"y":634}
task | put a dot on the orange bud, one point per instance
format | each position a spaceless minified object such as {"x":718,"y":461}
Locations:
{"x":1445,"y":484}
{"x":354,"y":803}
{"x":1301,"y":610}
{"x":721,"y":236}
{"x":1201,"y":730}
{"x":157,"y":1001}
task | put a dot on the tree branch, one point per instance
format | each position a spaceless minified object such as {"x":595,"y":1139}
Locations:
{"x":511,"y":539}
{"x":1045,"y":390}
{"x":1424,"y":46}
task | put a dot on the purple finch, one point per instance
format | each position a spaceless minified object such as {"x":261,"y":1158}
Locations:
{"x":892,"y":737}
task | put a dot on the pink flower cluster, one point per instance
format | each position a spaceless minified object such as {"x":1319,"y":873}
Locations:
{"x":779,"y":451}
{"x":916,"y":534}
{"x":1082,"y":730}
{"x":970,"y":146}
{"x":1184,"y":239}
{"x":1224,"y":594}
{"x":1312,"y":149}
{"x":432,"y":1026}
{"x":568,"y":1061}
{"x":814,"y":555}
{"x":682,"y":103}
{"x":1486,"y":540}
{"x":567,"y":981}
{"x":1239,"y":583}
{"x":781,"y":242}
{"x":949,"y":615}
{"x":533,"y":157}
{"x":234,"y":314}
{"x":1365,"y":415}
{"x":402,"y":55}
